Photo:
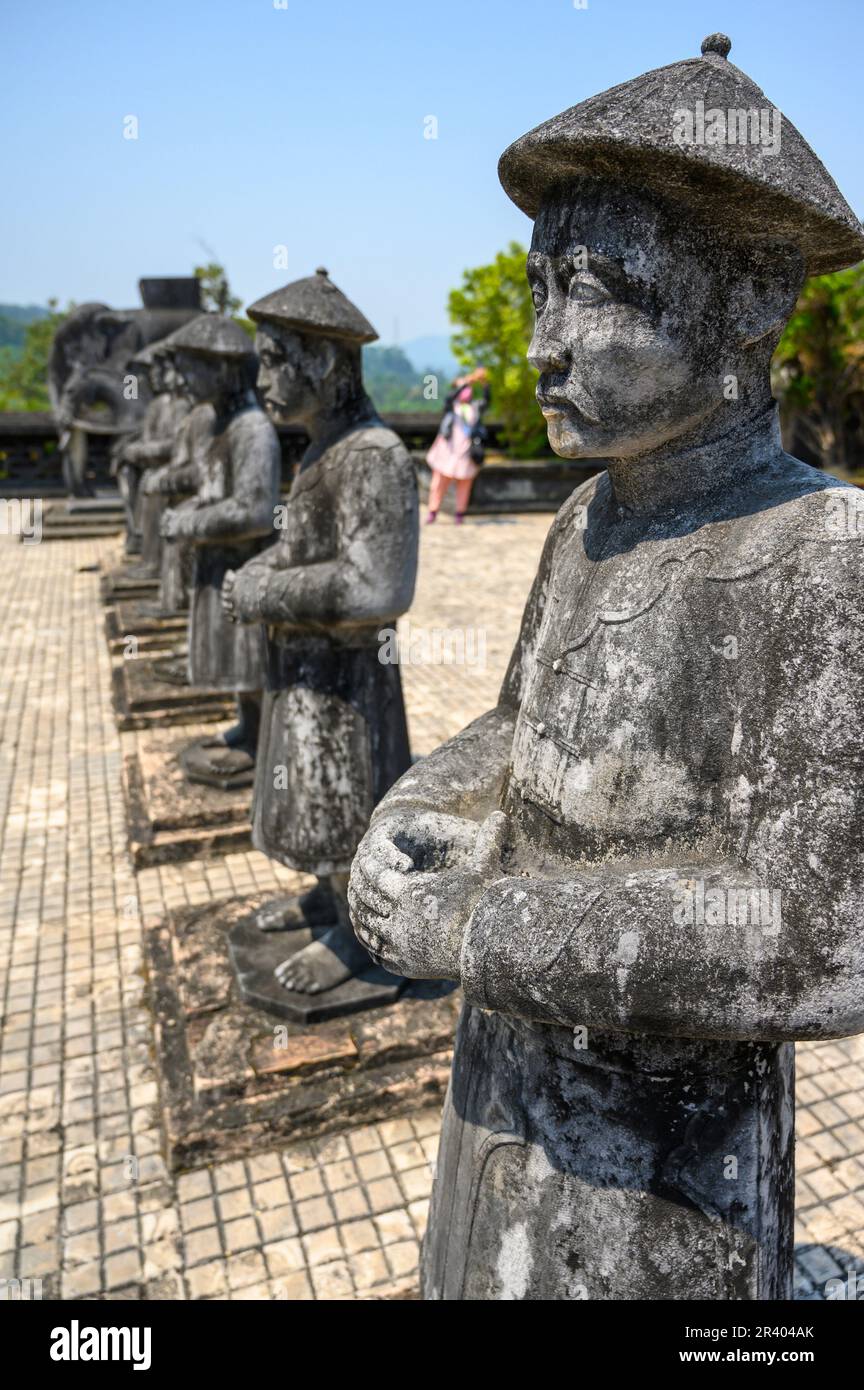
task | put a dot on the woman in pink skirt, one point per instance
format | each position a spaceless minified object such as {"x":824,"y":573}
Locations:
{"x":450,"y":457}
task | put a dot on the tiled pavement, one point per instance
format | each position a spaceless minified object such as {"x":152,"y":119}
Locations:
{"x":86,"y":1203}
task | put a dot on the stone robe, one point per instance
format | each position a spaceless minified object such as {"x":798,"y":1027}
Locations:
{"x":333,"y":731}
{"x":680,"y":719}
{"x":178,"y":486}
{"x":228,"y":522}
{"x":161,"y":428}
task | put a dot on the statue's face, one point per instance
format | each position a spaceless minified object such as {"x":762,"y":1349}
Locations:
{"x":157,"y":375}
{"x":291,"y":369}
{"x":203,"y":376}
{"x":632,"y":339}
{"x":172,"y":381}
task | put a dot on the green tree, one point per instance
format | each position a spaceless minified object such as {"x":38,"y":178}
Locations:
{"x":494,"y":317}
{"x":395,"y":384}
{"x":216,"y":295}
{"x":818,"y":368}
{"x":24,"y":373}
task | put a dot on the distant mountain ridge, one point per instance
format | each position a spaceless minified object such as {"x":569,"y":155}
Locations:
{"x":14,"y":319}
{"x":23,"y":313}
{"x":432,"y":350}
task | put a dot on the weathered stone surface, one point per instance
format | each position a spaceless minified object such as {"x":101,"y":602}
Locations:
{"x":234,"y":1081}
{"x":256,"y":956}
{"x":139,"y":621}
{"x":314,"y":305}
{"x":171,"y":818}
{"x":142,"y":700}
{"x":333,"y":731}
{"x":148,"y":448}
{"x":119,"y":584}
{"x":236,"y":472}
{"x":305,"y":1053}
{"x":676,"y":735}
{"x":90,"y":356}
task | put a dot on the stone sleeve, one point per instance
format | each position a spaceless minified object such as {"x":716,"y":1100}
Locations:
{"x":465,"y":776}
{"x":371,"y":577}
{"x":248,"y":512}
{"x":150,"y":452}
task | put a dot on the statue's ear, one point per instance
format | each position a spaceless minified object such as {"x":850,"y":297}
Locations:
{"x":326,"y":359}
{"x":762,"y":300}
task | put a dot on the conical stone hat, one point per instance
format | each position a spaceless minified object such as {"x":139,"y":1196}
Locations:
{"x":314,"y":305}
{"x":211,"y":335}
{"x":772,"y":187}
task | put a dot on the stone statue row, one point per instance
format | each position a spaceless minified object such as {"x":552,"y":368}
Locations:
{"x":620,"y":1118}
{"x":286,"y":600}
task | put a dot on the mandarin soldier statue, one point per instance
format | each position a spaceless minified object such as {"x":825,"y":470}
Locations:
{"x":334,"y":735}
{"x":231,"y":517}
{"x":645,"y":865}
{"x":174,"y":484}
{"x":150,"y":448}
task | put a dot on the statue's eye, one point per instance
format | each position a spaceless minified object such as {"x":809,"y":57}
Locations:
{"x":587,"y":290}
{"x":538,"y":294}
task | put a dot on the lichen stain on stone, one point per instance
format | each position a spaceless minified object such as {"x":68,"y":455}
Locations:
{"x":514,"y":1263}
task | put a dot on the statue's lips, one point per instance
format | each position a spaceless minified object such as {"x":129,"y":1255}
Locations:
{"x":553,"y":406}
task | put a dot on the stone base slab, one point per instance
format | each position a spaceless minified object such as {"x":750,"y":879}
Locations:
{"x":142,"y":701}
{"x":235,"y":1082}
{"x":119,"y":584}
{"x":171,"y":819}
{"x":136,"y":618}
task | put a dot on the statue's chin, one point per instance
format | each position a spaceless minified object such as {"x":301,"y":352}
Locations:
{"x":571,"y":439}
{"x":279,"y":413}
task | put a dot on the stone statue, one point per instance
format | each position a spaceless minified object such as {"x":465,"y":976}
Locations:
{"x":90,"y":360}
{"x":229,"y":520}
{"x":644,"y":866}
{"x":149,"y":448}
{"x":176,"y":484}
{"x":343,"y":567}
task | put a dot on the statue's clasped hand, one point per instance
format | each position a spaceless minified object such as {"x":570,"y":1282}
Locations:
{"x":170,"y":524}
{"x":151,"y":483}
{"x":415,"y":881}
{"x":242,"y":595}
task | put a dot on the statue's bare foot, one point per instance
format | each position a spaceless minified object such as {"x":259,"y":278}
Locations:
{"x":335,"y":957}
{"x":313,"y":909}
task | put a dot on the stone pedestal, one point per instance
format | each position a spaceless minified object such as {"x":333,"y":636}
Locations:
{"x":170,"y":818}
{"x":142,"y":620}
{"x":143,"y":700}
{"x":234,"y":1080}
{"x":122,"y":583}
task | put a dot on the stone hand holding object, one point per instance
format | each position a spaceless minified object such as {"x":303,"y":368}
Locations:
{"x":414,"y":883}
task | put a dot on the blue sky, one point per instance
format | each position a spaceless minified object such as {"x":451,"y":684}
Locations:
{"x":303,"y":127}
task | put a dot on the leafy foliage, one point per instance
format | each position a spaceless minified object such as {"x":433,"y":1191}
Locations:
{"x":216,"y":296}
{"x":24,"y":373}
{"x":494,"y":318}
{"x":818,"y":369}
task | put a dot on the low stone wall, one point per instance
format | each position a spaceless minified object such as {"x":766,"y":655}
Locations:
{"x":30,"y":464}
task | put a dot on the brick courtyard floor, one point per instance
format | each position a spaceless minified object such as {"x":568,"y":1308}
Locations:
{"x":86,"y":1203}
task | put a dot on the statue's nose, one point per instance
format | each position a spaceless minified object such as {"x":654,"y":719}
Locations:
{"x":546,"y":351}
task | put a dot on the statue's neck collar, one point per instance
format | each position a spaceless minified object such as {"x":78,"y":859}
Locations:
{"x":672,"y":479}
{"x":328,"y":428}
